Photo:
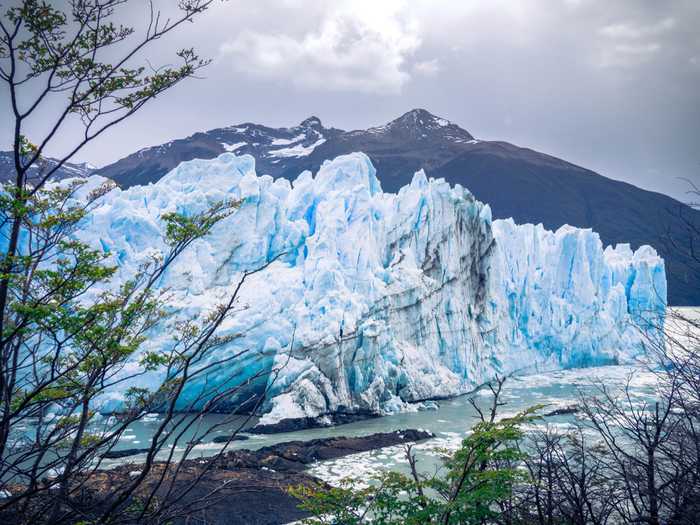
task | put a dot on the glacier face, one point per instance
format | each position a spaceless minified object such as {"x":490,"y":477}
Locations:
{"x":374,"y":301}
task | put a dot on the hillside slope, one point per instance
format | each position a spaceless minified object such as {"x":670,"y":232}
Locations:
{"x":517,"y":182}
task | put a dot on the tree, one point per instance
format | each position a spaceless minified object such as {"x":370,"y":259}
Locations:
{"x":474,"y":480}
{"x":634,"y":460}
{"x":627,"y":459}
{"x":67,"y":328}
{"x":567,"y":482}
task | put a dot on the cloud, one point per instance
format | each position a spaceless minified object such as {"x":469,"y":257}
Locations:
{"x":576,"y":3}
{"x":427,"y":68}
{"x":629,"y":44}
{"x":630,"y":31}
{"x":629,"y":55}
{"x":358,"y":46}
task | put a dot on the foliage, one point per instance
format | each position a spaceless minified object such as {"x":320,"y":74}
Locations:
{"x":69,"y":330}
{"x":468,"y":489}
{"x":625,"y":461}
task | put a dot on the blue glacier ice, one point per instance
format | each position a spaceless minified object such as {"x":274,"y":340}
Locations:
{"x":375,"y":301}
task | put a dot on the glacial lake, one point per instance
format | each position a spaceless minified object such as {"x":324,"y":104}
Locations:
{"x":450,"y":422}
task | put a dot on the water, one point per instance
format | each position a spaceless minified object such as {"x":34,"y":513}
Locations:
{"x":450,"y":422}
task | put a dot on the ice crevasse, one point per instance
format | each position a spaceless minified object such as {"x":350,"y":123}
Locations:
{"x":376,"y":301}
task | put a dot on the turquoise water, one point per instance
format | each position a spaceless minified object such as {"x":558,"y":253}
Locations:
{"x":450,"y":422}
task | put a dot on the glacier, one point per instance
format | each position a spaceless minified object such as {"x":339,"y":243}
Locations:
{"x":373,"y":302}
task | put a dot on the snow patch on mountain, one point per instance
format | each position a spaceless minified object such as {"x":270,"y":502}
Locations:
{"x":233,"y":147}
{"x":286,"y":142}
{"x":296,"y":151}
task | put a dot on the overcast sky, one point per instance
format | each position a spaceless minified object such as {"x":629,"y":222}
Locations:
{"x":610,"y":85}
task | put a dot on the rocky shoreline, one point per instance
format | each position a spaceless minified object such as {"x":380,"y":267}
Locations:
{"x":246,"y":487}
{"x":257,"y":481}
{"x":306,"y":423}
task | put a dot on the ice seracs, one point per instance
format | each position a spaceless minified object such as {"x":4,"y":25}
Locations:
{"x":375,"y":301}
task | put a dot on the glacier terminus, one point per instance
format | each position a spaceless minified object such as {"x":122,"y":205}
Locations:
{"x":371,"y":303}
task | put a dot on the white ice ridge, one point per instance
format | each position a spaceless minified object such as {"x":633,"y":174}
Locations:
{"x":391,"y":299}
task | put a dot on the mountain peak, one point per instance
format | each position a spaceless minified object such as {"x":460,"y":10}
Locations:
{"x":311,"y":122}
{"x":421,"y":123}
{"x":418,"y":115}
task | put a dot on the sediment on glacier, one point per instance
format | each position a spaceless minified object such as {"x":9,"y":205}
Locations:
{"x":377,"y":302}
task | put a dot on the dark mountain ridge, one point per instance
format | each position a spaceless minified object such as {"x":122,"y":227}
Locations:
{"x":517,"y":182}
{"x":68,"y":170}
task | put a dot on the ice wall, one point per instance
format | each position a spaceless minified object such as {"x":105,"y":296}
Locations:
{"x":388,"y":299}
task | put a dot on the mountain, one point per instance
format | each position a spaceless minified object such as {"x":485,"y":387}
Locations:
{"x":365,"y":302}
{"x":68,"y":170}
{"x":516,"y":182}
{"x":398,"y":149}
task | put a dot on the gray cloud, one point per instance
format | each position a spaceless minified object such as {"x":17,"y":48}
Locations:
{"x":427,"y":68}
{"x":612,"y":86}
{"x":356,"y":47}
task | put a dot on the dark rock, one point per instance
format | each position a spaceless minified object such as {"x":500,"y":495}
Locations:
{"x":564,"y":411}
{"x":305,"y":423}
{"x":240,"y":487}
{"x":116,"y":454}
{"x":226,"y":439}
{"x":242,"y":497}
{"x":257,"y":481}
{"x":295,"y":455}
{"x":305,"y":452}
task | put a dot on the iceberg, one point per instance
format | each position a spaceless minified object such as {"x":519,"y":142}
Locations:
{"x":372,"y":302}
